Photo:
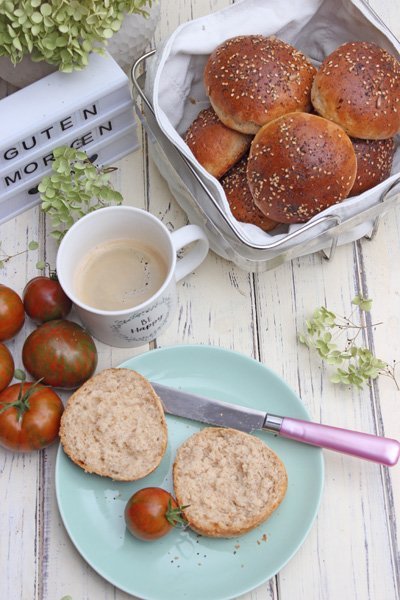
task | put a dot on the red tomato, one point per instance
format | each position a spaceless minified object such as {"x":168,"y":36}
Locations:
{"x":6,"y":366}
{"x":45,"y":300}
{"x":151,"y":513}
{"x":12,"y":315}
{"x":29,"y":417}
{"x":60,"y":353}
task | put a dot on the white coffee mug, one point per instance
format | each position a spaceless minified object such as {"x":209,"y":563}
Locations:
{"x":135,"y":326}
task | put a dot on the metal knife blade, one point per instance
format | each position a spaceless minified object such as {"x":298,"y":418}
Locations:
{"x":207,"y":410}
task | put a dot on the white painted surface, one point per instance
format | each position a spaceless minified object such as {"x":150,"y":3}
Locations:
{"x":352,"y":552}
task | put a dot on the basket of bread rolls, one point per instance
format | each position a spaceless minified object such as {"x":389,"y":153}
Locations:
{"x":278,"y":131}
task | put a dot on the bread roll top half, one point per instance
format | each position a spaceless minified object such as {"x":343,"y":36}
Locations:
{"x":114,"y":425}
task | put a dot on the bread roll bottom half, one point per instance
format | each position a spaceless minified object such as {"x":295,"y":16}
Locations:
{"x":229,"y":481}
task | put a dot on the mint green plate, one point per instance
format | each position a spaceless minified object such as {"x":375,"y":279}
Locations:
{"x":184,"y":565}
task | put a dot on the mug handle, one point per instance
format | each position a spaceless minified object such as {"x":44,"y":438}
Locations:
{"x":184,"y":236}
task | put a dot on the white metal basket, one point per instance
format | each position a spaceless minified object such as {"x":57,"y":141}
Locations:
{"x":189,"y":187}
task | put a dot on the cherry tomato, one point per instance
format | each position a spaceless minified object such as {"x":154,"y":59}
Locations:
{"x":30,"y":416}
{"x":6,"y":367}
{"x":44,"y":300}
{"x":12,"y":315}
{"x":151,"y":513}
{"x":60,"y":353}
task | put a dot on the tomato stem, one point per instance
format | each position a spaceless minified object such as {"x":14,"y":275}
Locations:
{"x":53,"y":274}
{"x":21,"y":404}
{"x":175,"y":516}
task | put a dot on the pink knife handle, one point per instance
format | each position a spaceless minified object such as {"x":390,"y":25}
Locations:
{"x":363,"y":445}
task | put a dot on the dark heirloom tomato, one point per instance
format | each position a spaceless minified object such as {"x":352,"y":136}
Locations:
{"x":45,"y":300}
{"x":12,"y":315}
{"x":30,"y":416}
{"x":6,"y":366}
{"x":60,"y":353}
{"x":151,"y":513}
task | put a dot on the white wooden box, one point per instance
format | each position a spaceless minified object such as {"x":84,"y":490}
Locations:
{"x":89,"y":109}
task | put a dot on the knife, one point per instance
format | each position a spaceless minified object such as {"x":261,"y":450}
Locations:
{"x":176,"y":402}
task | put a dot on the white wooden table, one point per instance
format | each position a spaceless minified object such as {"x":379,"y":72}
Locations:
{"x":352,"y":551}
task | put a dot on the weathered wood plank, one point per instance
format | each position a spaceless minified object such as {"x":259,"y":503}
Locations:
{"x":351,"y":535}
{"x":19,"y":474}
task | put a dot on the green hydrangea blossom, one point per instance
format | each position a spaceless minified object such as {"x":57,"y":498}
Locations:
{"x":354,"y":365}
{"x":61,"y":33}
{"x":75,"y":187}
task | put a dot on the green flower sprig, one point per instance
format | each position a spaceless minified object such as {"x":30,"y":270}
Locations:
{"x":59,"y":32}
{"x":75,"y":188}
{"x":357,"y":364}
{"x":33,"y":245}
{"x":5,"y":257}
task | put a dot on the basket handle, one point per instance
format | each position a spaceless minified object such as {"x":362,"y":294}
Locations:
{"x":135,"y":78}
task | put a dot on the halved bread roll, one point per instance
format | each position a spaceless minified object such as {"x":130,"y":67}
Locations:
{"x":229,"y":481}
{"x":114,"y":425}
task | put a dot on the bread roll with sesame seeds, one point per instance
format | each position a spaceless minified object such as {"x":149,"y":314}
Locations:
{"x":358,"y":87}
{"x":253,"y":79}
{"x":215,"y":146}
{"x":374,"y":163}
{"x":299,"y":165}
{"x":240,"y":199}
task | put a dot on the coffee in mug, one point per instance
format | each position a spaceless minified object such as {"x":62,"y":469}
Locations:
{"x":119,"y":266}
{"x":119,"y":274}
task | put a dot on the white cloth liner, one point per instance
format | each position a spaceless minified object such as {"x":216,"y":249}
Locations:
{"x":174,"y":77}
